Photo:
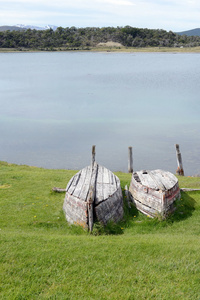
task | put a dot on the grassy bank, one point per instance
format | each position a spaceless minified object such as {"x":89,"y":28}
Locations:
{"x":42,"y":257}
{"x":108,"y":49}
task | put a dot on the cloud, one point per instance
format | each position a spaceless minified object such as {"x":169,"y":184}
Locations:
{"x":69,"y":2}
{"x":116,"y":2}
{"x":176,"y":15}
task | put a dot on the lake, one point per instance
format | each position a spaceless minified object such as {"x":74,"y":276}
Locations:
{"x":56,"y":105}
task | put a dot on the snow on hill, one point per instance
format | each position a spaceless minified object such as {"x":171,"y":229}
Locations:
{"x":36,"y":27}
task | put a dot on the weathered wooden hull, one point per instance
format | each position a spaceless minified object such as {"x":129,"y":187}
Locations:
{"x":106,"y":190}
{"x":76,"y":211}
{"x":110,"y":209}
{"x":154,"y":192}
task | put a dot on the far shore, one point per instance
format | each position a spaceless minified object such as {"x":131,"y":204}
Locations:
{"x":106,"y":49}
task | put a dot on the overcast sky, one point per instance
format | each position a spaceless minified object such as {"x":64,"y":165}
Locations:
{"x":175,"y":15}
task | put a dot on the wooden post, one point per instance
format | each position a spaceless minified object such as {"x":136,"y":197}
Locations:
{"x":179,"y":170}
{"x":91,"y":193}
{"x":93,"y":155}
{"x":90,"y":201}
{"x":130,"y":160}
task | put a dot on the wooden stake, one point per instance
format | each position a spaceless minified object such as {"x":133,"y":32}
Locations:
{"x":130,"y":160}
{"x":179,"y":170}
{"x":90,"y":201}
{"x":92,"y":191}
{"x":93,"y":155}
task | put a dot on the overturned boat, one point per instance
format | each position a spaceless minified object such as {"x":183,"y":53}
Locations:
{"x":154,"y":192}
{"x":94,"y":193}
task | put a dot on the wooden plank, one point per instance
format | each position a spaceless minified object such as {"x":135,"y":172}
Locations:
{"x":163,"y":178}
{"x":149,"y":201}
{"x":72,"y":214}
{"x":80,"y":183}
{"x":106,"y":184}
{"x":106,"y":191}
{"x":112,"y":180}
{"x":58,"y":190}
{"x":106,"y":178}
{"x":189,"y":190}
{"x":85,"y":187}
{"x":144,"y":209}
{"x":172,"y":178}
{"x":166,"y":179}
{"x":113,"y":183}
{"x":116,"y":182}
{"x":99,"y":186}
{"x":157,"y":178}
{"x":72,"y":186}
{"x":69,"y":183}
{"x":111,"y":209}
{"x":147,"y":180}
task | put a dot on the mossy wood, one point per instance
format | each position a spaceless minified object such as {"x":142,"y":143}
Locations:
{"x":154,"y":192}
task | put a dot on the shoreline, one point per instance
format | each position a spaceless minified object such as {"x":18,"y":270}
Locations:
{"x":6,"y":163}
{"x":108,"y":50}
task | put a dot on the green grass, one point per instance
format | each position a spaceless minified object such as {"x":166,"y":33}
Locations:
{"x":42,"y":257}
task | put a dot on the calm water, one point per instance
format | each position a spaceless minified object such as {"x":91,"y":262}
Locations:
{"x":55,"y":106}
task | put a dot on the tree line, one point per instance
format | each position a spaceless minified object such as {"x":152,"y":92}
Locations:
{"x":85,"y":38}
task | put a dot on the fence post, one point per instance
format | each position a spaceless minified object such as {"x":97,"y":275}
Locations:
{"x":179,"y":170}
{"x":130,"y":160}
{"x":93,"y":155}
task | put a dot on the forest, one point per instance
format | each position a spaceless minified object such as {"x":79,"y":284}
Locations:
{"x":86,"y":38}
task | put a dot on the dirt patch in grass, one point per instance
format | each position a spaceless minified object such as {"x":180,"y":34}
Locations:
{"x":110,"y":44}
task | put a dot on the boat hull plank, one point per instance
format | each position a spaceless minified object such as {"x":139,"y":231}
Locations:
{"x":75,"y":210}
{"x":106,"y":184}
{"x":147,"y":181}
{"x":163,"y":179}
{"x":148,"y":199}
{"x":72,"y":185}
{"x":149,"y":211}
{"x":85,"y":188}
{"x":99,"y":186}
{"x":80,"y":183}
{"x":111,"y":209}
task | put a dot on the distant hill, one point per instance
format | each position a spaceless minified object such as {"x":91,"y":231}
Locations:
{"x":11,"y":28}
{"x":22,"y":27}
{"x":192,"y":32}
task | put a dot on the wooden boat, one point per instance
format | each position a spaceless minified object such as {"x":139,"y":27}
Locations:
{"x":94,"y":193}
{"x":154,"y":192}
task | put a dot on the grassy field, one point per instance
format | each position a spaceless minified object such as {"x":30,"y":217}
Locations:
{"x":42,"y":257}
